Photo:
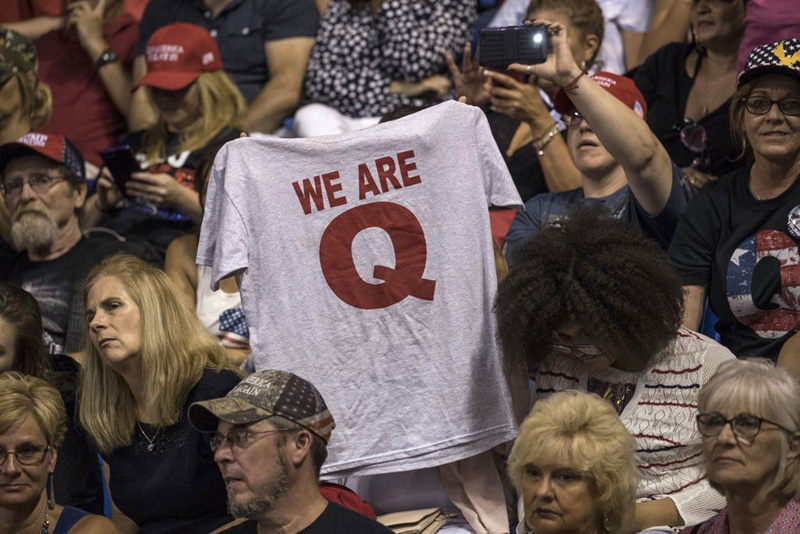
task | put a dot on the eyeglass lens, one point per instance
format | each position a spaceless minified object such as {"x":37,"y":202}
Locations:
{"x":759,"y":105}
{"x":40,"y":183}
{"x":25,"y":455}
{"x":743,"y":425}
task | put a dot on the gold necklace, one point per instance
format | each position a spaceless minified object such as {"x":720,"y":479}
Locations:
{"x":151,"y":446}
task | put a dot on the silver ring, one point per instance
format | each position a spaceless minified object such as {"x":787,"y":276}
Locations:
{"x":528,"y":70}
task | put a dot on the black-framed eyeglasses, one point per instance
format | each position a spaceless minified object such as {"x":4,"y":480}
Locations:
{"x":40,"y":183}
{"x":744,"y":425}
{"x":694,"y":137}
{"x":572,"y":119}
{"x":26,"y":454}
{"x":583,"y":352}
{"x":760,"y":105}
{"x":239,"y":439}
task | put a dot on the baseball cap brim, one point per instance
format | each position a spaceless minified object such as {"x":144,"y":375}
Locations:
{"x":750,"y":75}
{"x":12,"y":151}
{"x":169,"y":81}
{"x":205,"y":415}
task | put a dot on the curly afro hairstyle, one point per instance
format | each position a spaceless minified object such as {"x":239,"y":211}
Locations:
{"x":598,"y":273}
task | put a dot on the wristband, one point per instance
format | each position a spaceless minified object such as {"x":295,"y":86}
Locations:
{"x":106,"y":57}
{"x":574,"y":83}
{"x":545,"y":139}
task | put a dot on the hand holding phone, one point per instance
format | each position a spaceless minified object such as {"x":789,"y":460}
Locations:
{"x":121,"y":163}
{"x":500,"y":47}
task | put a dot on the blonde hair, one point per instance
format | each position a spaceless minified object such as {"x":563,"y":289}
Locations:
{"x":23,"y":395}
{"x":582,"y":431}
{"x":758,"y":387}
{"x":175,"y":349}
{"x":221,"y":106}
{"x":37,"y":102}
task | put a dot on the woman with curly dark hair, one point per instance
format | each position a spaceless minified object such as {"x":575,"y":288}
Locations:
{"x":591,"y":303}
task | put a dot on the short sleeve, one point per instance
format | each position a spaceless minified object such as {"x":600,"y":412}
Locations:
{"x":523,"y":227}
{"x":694,"y":243}
{"x":662,"y":227}
{"x":290,"y":18}
{"x":498,"y":184}
{"x":224,"y":239}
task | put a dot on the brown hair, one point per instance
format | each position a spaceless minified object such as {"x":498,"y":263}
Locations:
{"x":20,"y":310}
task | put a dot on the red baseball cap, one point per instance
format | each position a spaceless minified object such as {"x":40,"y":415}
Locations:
{"x":620,"y":86}
{"x":52,"y":146}
{"x":177,"y":54}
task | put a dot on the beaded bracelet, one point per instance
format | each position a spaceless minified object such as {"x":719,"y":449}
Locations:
{"x":545,"y":139}
{"x":574,"y":83}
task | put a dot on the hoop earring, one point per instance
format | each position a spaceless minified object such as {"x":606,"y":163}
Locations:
{"x":51,"y":491}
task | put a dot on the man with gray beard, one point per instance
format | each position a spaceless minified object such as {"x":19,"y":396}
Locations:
{"x":43,"y":181}
{"x":270,"y":441}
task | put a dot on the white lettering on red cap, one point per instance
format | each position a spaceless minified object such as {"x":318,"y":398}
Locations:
{"x":604,"y":81}
{"x":208,"y":57}
{"x":164,"y":53}
{"x":34,"y":139}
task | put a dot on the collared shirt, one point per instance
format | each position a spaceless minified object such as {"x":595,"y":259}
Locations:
{"x":241,"y":29}
{"x":788,"y":522}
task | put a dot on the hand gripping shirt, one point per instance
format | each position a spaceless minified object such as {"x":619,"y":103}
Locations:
{"x":367,"y":268}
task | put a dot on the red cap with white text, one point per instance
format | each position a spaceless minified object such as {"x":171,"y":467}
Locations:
{"x":620,"y":86}
{"x":52,"y":146}
{"x":177,"y":54}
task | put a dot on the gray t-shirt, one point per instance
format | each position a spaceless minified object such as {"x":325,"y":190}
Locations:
{"x":367,"y":268}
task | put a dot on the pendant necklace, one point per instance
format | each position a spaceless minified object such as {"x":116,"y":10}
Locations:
{"x":151,"y":446}
{"x":46,"y":524}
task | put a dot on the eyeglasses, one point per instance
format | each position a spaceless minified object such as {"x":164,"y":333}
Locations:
{"x":744,"y":426}
{"x":583,"y":352}
{"x":239,"y":439}
{"x":40,"y":183}
{"x":694,"y":137}
{"x":572,"y":119}
{"x":760,"y":105}
{"x":26,"y":454}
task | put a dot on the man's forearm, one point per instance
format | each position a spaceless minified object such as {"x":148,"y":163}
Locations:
{"x":274,"y":103}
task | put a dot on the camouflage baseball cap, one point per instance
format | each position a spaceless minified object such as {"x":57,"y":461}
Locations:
{"x":17,"y":54}
{"x":262,"y":395}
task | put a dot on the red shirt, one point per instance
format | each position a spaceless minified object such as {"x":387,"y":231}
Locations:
{"x":83,"y":111}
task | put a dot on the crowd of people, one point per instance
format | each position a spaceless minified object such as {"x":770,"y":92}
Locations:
{"x":589,"y":322}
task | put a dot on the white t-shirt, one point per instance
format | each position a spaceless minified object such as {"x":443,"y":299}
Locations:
{"x":396,"y":332}
{"x":629,"y":15}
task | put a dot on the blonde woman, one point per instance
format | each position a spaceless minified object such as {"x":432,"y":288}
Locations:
{"x":573,"y":463}
{"x":148,"y":358}
{"x":32,"y":427}
{"x":199,"y":106}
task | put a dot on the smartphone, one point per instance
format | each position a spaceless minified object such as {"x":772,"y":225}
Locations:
{"x":121,"y":163}
{"x":500,"y":47}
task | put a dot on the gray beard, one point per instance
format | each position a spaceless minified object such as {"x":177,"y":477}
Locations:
{"x":267,"y":494}
{"x":33,"y":231}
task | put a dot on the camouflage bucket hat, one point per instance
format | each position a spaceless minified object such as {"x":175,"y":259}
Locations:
{"x":17,"y":54}
{"x":262,"y":395}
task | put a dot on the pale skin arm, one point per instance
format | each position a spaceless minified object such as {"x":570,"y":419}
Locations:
{"x":36,"y":27}
{"x":179,"y":265}
{"x":694,"y":301}
{"x":143,"y":112}
{"x":631,"y":43}
{"x":522,"y":102}
{"x":621,"y":131}
{"x":163,"y":190}
{"x":669,"y":23}
{"x":789,"y":357}
{"x":656,"y":513}
{"x":287,"y":60}
{"x":88,"y":23}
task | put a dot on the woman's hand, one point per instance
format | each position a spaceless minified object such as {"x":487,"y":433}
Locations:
{"x":698,"y":178}
{"x":108,"y":194}
{"x":158,"y":189}
{"x":470,"y":81}
{"x":437,"y":85}
{"x":560,"y":67}
{"x":518,"y":100}
{"x":88,"y":23}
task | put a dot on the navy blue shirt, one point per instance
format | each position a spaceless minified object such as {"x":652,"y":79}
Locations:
{"x":241,"y":29}
{"x":550,"y":207}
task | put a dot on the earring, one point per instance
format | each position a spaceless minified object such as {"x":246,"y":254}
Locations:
{"x":51,"y":491}
{"x":583,"y":64}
